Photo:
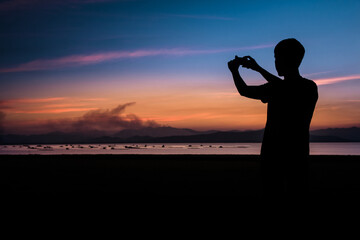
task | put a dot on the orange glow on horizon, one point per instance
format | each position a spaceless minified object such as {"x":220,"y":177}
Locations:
{"x":195,"y":104}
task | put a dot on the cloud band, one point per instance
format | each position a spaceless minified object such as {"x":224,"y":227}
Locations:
{"x":81,"y":60}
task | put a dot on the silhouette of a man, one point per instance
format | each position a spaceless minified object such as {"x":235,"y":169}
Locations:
{"x":291,"y":103}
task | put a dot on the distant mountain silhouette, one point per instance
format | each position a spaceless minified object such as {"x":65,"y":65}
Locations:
{"x":173,"y":135}
{"x":158,"y":132}
{"x":229,"y":136}
{"x":349,"y":134}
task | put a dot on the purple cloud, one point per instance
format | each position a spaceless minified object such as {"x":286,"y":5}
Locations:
{"x":81,"y":60}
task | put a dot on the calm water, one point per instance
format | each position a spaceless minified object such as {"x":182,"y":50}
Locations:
{"x":171,"y":148}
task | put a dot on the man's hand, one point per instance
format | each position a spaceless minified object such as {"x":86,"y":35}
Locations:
{"x":234,"y":64}
{"x":250,"y":63}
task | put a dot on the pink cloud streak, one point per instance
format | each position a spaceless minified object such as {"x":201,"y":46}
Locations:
{"x":61,"y":110}
{"x":32,"y":100}
{"x":81,"y":60}
{"x":327,"y":81}
{"x":47,"y":105}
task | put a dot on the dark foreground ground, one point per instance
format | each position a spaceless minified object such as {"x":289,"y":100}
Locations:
{"x":166,"y":175}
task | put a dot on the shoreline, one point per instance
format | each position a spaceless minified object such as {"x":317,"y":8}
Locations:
{"x":170,"y":149}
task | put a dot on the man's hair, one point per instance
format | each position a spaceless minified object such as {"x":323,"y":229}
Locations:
{"x":291,"y":49}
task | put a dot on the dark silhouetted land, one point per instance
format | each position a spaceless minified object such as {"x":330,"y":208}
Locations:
{"x":173,"y":135}
{"x":166,"y":175}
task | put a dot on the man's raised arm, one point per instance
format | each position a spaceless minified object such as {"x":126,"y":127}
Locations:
{"x":255,"y":92}
{"x":253,"y":65}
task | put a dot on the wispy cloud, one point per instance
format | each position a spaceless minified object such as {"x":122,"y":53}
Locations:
{"x":31,"y":100}
{"x":47,"y":105}
{"x":316,"y":73}
{"x":81,"y":60}
{"x":11,"y":103}
{"x":58,"y":110}
{"x":208,"y":17}
{"x":29,"y":4}
{"x":177,"y":118}
{"x":327,"y":81}
{"x":2,"y":117}
{"x":226,"y":94}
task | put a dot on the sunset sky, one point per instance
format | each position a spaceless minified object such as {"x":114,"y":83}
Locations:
{"x":69,"y":65}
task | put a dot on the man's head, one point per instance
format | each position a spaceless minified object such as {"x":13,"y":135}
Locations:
{"x":288,"y":56}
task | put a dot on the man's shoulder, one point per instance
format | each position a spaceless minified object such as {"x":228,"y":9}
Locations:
{"x":311,"y":88}
{"x":309,"y":83}
{"x":304,"y":82}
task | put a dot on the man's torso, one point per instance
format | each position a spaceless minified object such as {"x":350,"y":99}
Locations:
{"x":291,"y":105}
